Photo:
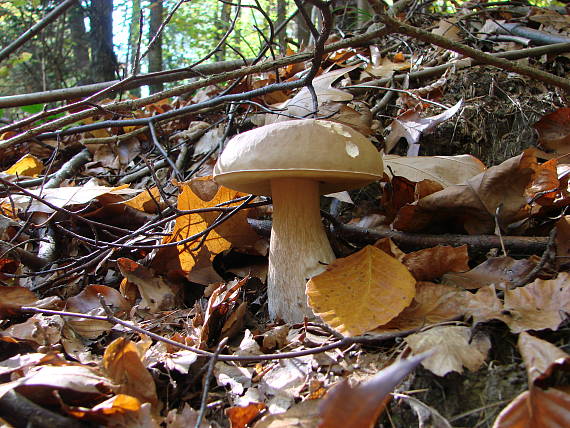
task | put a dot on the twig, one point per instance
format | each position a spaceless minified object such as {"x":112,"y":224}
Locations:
{"x":68,"y":169}
{"x":36,"y":28}
{"x":425,"y":36}
{"x":207,"y":379}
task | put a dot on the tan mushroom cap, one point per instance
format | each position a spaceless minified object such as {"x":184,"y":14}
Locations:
{"x":336,"y":155}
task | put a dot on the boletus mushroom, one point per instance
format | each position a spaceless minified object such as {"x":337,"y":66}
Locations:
{"x":295,"y":162}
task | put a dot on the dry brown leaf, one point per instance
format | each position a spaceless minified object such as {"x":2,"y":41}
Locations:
{"x":12,"y":298}
{"x":538,"y":306}
{"x":157,"y":293}
{"x":360,"y":405}
{"x":475,"y":203}
{"x":87,"y":302}
{"x":76,"y":384}
{"x":448,"y":28}
{"x":540,"y":357}
{"x":236,"y":232}
{"x":241,"y":416}
{"x":554,"y":131}
{"x":536,"y":408}
{"x":484,"y":305}
{"x":495,"y":270}
{"x":304,"y":414}
{"x":453,"y":348}
{"x":362,"y":291}
{"x":302,"y":103}
{"x":431,"y":263}
{"x":563,"y":240}
{"x":411,"y":126}
{"x":445,"y":170}
{"x":432,"y":304}
{"x":107,"y":411}
{"x":45,"y":330}
{"x":123,"y":364}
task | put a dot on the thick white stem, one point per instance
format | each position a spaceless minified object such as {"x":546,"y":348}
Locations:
{"x":299,"y":247}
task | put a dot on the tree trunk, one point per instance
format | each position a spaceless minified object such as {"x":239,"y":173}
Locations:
{"x":134,"y":47}
{"x":103,"y":59}
{"x":224,"y":23}
{"x":155,"y":52}
{"x":281,"y":16}
{"x":303,"y":33}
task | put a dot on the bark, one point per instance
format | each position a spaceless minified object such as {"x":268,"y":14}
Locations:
{"x":303,"y":33}
{"x":224,"y":22}
{"x":155,"y":51}
{"x":103,"y":59}
{"x":79,"y":41}
{"x":281,"y":16}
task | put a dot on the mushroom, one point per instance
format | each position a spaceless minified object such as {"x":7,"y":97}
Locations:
{"x":295,"y":162}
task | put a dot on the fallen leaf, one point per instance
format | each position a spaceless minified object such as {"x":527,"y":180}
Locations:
{"x":157,"y":293}
{"x":431,"y":263}
{"x":453,"y":348}
{"x":241,"y":416}
{"x":474,"y":204}
{"x":541,"y":358}
{"x":432,"y":304}
{"x":538,"y":306}
{"x":495,"y":270}
{"x":302,"y":103}
{"x":87,"y":302}
{"x":123,"y":364}
{"x":445,"y":170}
{"x":554,"y":131}
{"x":28,"y":166}
{"x":411,"y":126}
{"x":236,"y":232}
{"x":360,"y":405}
{"x":536,"y":408}
{"x":362,"y":291}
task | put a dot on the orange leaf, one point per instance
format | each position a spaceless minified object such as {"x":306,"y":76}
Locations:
{"x":241,"y":416}
{"x":28,"y":165}
{"x":123,"y":364}
{"x":205,"y":193}
{"x":362,"y":291}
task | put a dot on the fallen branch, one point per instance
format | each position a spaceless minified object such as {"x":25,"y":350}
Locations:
{"x":415,"y":241}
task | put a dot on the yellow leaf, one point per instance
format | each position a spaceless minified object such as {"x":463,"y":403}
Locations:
{"x":148,"y":201}
{"x":205,"y":193}
{"x":361,"y":292}
{"x":28,"y":165}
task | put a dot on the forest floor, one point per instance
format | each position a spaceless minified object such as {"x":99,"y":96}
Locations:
{"x":107,"y":317}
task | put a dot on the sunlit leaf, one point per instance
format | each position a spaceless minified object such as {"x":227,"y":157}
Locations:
{"x":362,"y":291}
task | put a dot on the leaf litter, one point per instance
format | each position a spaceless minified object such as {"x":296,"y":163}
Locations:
{"x":152,"y":273}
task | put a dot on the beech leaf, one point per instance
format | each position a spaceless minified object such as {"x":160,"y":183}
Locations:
{"x":362,"y":291}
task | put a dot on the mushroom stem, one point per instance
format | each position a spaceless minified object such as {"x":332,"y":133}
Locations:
{"x":299,"y":247}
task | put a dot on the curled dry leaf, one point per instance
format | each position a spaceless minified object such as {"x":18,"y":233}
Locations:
{"x":123,"y":364}
{"x":87,"y":302}
{"x":362,"y":291}
{"x":544,"y":304}
{"x":431,"y":263}
{"x":12,"y":298}
{"x":495,"y":270}
{"x":241,"y":416}
{"x":411,"y":126}
{"x":454,"y":347}
{"x":360,"y":405}
{"x":540,"y":357}
{"x":27,"y":166}
{"x":554,"y":131}
{"x":536,"y":408}
{"x":474,"y":204}
{"x":157,"y":293}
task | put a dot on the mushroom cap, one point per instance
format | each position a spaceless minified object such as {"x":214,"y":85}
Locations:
{"x":336,"y":155}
